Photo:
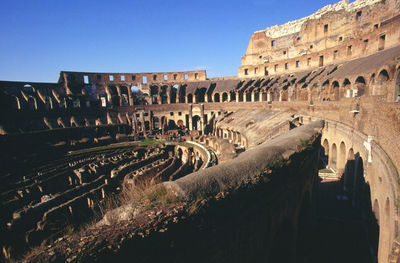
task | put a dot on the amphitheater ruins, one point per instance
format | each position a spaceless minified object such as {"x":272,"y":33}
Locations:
{"x":296,"y":159}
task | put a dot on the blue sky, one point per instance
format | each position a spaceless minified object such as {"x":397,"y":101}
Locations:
{"x":39,"y":38}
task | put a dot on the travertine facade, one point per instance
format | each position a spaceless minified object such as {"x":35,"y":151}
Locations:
{"x":340,"y":65}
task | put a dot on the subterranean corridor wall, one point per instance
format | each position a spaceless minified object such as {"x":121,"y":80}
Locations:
{"x":254,"y":208}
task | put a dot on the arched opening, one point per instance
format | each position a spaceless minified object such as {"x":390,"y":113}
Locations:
{"x":379,"y":87}
{"x":325,"y":154}
{"x":200,"y":95}
{"x":180,"y":124}
{"x":125,"y":96}
{"x":173,"y":93}
{"x":196,"y":123}
{"x":397,"y":87}
{"x":182,"y":93}
{"x":224,"y":97}
{"x":163,"y":95}
{"x":172,"y":125}
{"x":190,"y":98}
{"x":348,"y":92}
{"x":334,"y":93}
{"x":32,"y":104}
{"x":154,"y":90}
{"x":216,"y":97}
{"x":248,"y":96}
{"x":156,"y":123}
{"x":333,"y":157}
{"x":113,"y":96}
{"x":360,"y":87}
{"x":342,"y":156}
{"x":232,"y":96}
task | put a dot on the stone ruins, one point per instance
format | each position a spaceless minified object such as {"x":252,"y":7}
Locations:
{"x":294,"y":160}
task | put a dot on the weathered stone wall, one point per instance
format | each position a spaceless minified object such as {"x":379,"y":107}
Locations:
{"x":336,"y":33}
{"x":244,"y":210}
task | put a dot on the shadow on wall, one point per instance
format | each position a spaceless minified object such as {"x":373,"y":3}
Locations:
{"x":347,"y":222}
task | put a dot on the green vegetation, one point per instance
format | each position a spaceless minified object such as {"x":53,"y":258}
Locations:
{"x":103,"y":148}
{"x":148,"y":142}
{"x":143,"y":143}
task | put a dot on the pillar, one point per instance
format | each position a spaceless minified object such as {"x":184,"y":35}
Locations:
{"x":203,"y":119}
{"x":191,"y":117}
{"x":237,"y":96}
{"x":261,"y":95}
{"x":244,"y":97}
{"x":269,"y":96}
{"x":252,"y":96}
{"x":119,"y":95}
{"x":135,"y":122}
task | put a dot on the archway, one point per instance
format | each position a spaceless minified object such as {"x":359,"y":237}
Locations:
{"x":397,"y":86}
{"x":224,"y":97}
{"x":360,"y":87}
{"x":216,"y":97}
{"x":333,"y":157}
{"x":173,"y":93}
{"x":196,"y":123}
{"x":325,"y":154}
{"x":348,"y":92}
{"x":380,"y":83}
{"x":113,"y":96}
{"x":124,"y":96}
{"x":342,"y":157}
{"x":334,"y":93}
{"x":190,"y":98}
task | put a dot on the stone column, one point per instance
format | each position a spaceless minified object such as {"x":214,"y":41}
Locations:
{"x":143,"y":125}
{"x":244,"y":96}
{"x":253,"y":96}
{"x":269,"y":96}
{"x":261,"y":95}
{"x":237,"y":96}
{"x":130,"y":98}
{"x":135,"y":122}
{"x":203,"y":121}
{"x":119,"y":95}
{"x":190,"y":117}
{"x":151,"y":121}
{"x":206,"y":97}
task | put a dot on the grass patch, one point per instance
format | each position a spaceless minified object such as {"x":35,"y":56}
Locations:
{"x":103,"y":148}
{"x":148,"y":142}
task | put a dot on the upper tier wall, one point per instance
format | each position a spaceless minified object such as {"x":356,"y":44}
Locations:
{"x":335,"y":33}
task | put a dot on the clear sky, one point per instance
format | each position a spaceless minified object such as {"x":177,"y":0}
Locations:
{"x":39,"y":38}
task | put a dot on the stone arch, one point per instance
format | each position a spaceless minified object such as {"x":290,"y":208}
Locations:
{"x":216,"y":97}
{"x":173,"y":92}
{"x":347,"y":89}
{"x":32,"y":103}
{"x":196,"y":122}
{"x":232,"y":96}
{"x":342,"y":156}
{"x":335,"y":91}
{"x":112,"y":96}
{"x":189,"y":98}
{"x":224,"y":97}
{"x":397,"y":86}
{"x":125,"y":95}
{"x":180,"y":124}
{"x":325,"y":153}
{"x":360,"y":87}
{"x":379,"y":87}
{"x":16,"y":103}
{"x":333,"y":156}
